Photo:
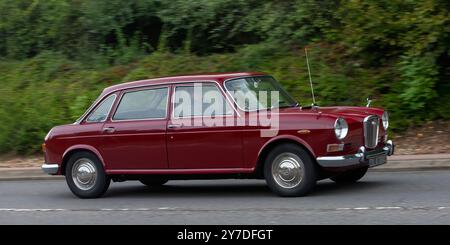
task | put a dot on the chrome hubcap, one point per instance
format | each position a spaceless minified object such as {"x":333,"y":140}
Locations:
{"x":287,"y":170}
{"x":84,"y":174}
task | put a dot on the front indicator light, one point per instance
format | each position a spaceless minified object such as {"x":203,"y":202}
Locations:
{"x":335,"y":147}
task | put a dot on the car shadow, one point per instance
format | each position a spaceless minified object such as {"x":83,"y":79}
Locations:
{"x":243,"y":189}
{"x":332,"y":188}
{"x":188,"y":190}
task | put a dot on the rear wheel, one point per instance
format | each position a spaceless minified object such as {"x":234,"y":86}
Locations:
{"x":85,"y":175}
{"x":289,"y":171}
{"x":153,"y":182}
{"x":350,"y":176}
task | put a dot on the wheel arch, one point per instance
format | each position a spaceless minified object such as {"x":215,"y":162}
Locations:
{"x":270,"y":145}
{"x":79,"y":148}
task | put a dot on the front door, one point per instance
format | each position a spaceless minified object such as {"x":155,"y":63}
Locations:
{"x":135,"y":135}
{"x":201,"y":132}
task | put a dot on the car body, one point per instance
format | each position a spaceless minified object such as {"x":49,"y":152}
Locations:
{"x":119,"y":140}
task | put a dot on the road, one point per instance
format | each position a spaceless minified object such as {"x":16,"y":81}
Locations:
{"x":380,"y":198}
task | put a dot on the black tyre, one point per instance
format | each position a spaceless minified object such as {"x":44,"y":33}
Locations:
{"x":289,"y":171}
{"x":153,"y":182}
{"x":86,"y":176}
{"x":350,"y":176}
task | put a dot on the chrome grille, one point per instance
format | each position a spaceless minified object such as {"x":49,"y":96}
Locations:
{"x":371,"y":130}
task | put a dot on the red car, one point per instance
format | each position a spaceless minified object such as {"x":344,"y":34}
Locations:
{"x":221,"y":125}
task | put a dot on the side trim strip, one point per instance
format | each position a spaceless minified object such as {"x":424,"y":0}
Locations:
{"x":182,"y":171}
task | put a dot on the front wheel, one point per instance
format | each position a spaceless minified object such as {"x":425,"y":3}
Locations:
{"x":85,"y":175}
{"x":350,"y":176}
{"x":289,"y":171}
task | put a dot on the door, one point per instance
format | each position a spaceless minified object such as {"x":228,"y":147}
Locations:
{"x":135,"y":135}
{"x":202,"y":132}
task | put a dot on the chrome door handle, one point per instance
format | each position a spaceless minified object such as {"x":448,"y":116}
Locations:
{"x":173,"y":126}
{"x":109,"y":130}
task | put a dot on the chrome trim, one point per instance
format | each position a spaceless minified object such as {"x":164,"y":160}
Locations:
{"x":371,"y":141}
{"x":382,"y":121}
{"x":288,"y":170}
{"x":369,"y":101}
{"x":50,"y":168}
{"x":142,"y":119}
{"x":84,"y":174}
{"x":390,"y":147}
{"x":362,"y":157}
{"x":346,"y":124}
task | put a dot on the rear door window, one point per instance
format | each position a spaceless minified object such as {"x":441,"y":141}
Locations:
{"x":142,"y":104}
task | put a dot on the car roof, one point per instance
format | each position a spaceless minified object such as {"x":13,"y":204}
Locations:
{"x":218,"y":77}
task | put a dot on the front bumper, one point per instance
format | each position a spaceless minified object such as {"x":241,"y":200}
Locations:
{"x":362,"y":158}
{"x":50,"y":168}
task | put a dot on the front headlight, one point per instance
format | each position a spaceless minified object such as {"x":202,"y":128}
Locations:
{"x":340,"y":128}
{"x":385,"y":119}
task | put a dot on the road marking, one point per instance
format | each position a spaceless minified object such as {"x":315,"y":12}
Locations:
{"x":142,"y":209}
{"x":31,"y":209}
{"x":181,"y":209}
{"x":382,"y":208}
{"x":343,"y":208}
{"x":379,"y":208}
{"x":362,"y":208}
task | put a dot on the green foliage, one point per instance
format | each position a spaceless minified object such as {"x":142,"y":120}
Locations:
{"x":419,"y":76}
{"x":57,"y":55}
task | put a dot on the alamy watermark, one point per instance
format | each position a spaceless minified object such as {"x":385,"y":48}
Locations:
{"x":206,"y":106}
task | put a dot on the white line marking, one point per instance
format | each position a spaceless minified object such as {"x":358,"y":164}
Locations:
{"x":143,"y":209}
{"x":30,"y":209}
{"x":361,"y":208}
{"x":164,"y":208}
{"x":381,"y":208}
{"x":173,"y":208}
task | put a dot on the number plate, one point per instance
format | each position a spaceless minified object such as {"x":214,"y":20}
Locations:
{"x":378,"y":160}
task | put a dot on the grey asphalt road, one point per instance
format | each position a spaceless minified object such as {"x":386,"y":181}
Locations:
{"x":380,"y":198}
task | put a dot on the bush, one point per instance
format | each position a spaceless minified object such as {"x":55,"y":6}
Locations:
{"x":56,"y":56}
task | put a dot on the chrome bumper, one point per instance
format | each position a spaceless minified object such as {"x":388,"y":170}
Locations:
{"x":50,"y":168}
{"x":363,"y":157}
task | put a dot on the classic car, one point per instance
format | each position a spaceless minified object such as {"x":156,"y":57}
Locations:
{"x":199,"y":127}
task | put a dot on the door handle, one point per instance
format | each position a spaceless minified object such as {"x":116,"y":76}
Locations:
{"x":109,"y":130}
{"x":173,"y":126}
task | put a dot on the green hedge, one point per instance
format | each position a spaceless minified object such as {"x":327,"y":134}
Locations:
{"x":57,"y":55}
{"x":48,"y":90}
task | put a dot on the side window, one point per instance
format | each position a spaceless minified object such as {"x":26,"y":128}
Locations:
{"x":200,"y":100}
{"x":143,"y":104}
{"x":101,"y":112}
